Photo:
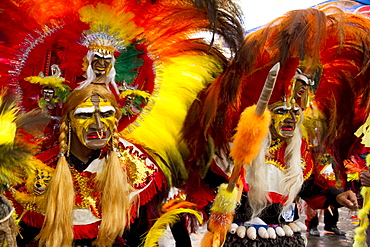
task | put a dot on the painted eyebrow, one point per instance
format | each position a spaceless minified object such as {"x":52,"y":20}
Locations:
{"x":280,"y":107}
{"x":107,"y":108}
{"x":92,"y":109}
{"x":102,"y":56}
{"x":84,"y":110}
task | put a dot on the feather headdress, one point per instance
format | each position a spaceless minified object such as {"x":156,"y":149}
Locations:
{"x":342,"y":99}
{"x":294,"y":40}
{"x":156,"y":59}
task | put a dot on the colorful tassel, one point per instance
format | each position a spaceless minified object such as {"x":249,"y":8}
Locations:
{"x":221,"y":218}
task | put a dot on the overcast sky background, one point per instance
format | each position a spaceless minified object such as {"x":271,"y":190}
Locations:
{"x":260,"y":12}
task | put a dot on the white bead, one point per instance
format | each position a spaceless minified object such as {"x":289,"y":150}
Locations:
{"x":252,"y":233}
{"x":240,"y":231}
{"x":262,"y":232}
{"x":232,"y":228}
{"x":271,"y":232}
{"x":301,"y":225}
{"x":294,"y":227}
{"x":279,"y":231}
{"x":288,"y":231}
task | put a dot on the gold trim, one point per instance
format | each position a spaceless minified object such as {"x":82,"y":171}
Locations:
{"x":277,"y":164}
{"x":275,"y":145}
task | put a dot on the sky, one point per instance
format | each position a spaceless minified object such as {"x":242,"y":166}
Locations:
{"x":260,"y":12}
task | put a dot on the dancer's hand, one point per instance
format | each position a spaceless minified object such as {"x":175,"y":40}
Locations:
{"x":348,"y":199}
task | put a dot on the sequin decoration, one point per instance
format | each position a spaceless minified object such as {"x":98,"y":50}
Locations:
{"x":142,"y":171}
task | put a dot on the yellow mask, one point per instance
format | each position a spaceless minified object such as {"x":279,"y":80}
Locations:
{"x":284,"y":120}
{"x":93,"y":122}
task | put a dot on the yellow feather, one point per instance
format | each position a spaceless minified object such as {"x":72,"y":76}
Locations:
{"x":225,"y":201}
{"x":178,"y":82}
{"x":143,"y":94}
{"x":363,"y":214}
{"x":360,"y":231}
{"x":118,"y":23}
{"x":169,"y":218}
{"x":54,"y":81}
{"x":364,"y":131}
{"x":7,"y":125}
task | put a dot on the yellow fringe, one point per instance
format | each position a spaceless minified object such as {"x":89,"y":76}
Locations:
{"x":365,"y":131}
{"x":363,"y":215}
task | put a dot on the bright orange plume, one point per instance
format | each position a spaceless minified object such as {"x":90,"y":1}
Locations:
{"x":250,"y":132}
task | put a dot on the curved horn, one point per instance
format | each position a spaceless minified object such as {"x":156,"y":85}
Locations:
{"x":267,"y":90}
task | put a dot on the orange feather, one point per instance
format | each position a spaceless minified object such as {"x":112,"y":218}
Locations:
{"x":250,"y":132}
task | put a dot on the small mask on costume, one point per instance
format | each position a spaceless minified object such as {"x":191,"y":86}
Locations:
{"x":284,"y":119}
{"x":301,"y":84}
{"x":93,"y":122}
{"x":301,"y":88}
{"x":101,"y":63}
{"x":48,"y":93}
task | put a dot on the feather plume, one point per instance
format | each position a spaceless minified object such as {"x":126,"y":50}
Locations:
{"x":177,"y":90}
{"x":251,"y":129}
{"x":346,"y":71}
{"x":221,"y":217}
{"x":293,"y":39}
{"x":15,"y":155}
{"x":35,"y":33}
{"x":168,"y":218}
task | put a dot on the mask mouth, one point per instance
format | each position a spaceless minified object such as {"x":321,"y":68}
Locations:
{"x":96,"y":135}
{"x":100,"y":70}
{"x":287,"y":127}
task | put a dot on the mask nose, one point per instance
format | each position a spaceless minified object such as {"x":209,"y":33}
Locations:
{"x":293,"y":116}
{"x":99,"y":124}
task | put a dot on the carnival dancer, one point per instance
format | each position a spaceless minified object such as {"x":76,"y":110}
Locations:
{"x":278,"y":172}
{"x":293,"y":41}
{"x":93,"y":171}
{"x":141,"y":59}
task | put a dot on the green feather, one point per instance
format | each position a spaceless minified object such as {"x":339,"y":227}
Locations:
{"x":127,"y":64}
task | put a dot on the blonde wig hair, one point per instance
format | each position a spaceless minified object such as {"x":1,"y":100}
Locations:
{"x":293,"y":178}
{"x":112,"y":184}
{"x":258,"y":187}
